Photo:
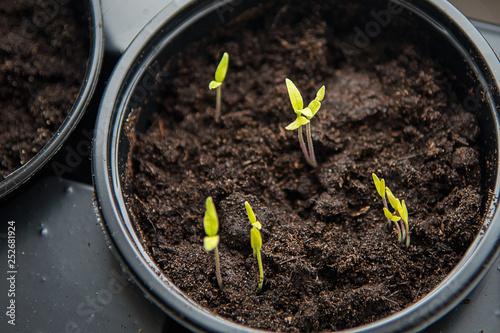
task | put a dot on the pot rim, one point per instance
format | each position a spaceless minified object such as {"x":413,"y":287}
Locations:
{"x":96,"y":53}
{"x":109,"y":202}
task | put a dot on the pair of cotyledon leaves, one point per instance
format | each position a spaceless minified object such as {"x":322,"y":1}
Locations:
{"x":255,"y":237}
{"x":211,"y":225}
{"x":304,"y":115}
{"x":220,"y":72}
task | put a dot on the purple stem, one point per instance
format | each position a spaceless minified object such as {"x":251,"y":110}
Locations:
{"x":312,"y":157}
{"x":303,"y":146}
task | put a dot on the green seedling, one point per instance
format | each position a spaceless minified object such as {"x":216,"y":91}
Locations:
{"x":400,"y":215}
{"x":211,"y":241}
{"x":304,"y":116}
{"x":220,"y":75}
{"x":256,"y":242}
{"x":380,"y":185}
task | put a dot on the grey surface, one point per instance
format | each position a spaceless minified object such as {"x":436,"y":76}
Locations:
{"x":491,"y":33}
{"x":482,"y":10}
{"x":67,"y":279}
{"x":124,"y":19}
{"x":479,"y":312}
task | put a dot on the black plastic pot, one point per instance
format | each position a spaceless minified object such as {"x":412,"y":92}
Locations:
{"x":96,"y":51}
{"x":436,"y":25}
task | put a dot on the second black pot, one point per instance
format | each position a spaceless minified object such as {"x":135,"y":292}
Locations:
{"x":96,"y":52}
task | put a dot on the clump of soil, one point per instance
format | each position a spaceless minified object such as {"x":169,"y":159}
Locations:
{"x":331,"y":260}
{"x":43,"y":50}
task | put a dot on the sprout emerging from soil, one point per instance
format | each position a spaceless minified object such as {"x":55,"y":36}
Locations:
{"x":220,"y":75}
{"x":400,"y":211}
{"x":256,"y":242}
{"x":380,"y":185}
{"x":211,"y":241}
{"x":304,"y":116}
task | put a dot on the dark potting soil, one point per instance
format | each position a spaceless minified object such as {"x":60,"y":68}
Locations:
{"x":331,"y":260}
{"x":44,"y":48}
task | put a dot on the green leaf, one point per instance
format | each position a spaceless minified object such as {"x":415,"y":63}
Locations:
{"x":220,"y":73}
{"x":391,"y":217}
{"x":295,"y":96}
{"x":210,"y":242}
{"x":255,"y":239}
{"x":314,"y":106}
{"x":297,"y":123}
{"x":320,"y":94}
{"x":211,"y":221}
{"x":404,"y":212}
{"x":395,"y":203}
{"x":214,"y":85}
{"x":307,"y":112}
{"x":251,"y":215}
{"x":380,"y":185}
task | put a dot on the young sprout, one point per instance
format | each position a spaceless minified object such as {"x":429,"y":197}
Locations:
{"x":400,"y":211}
{"x":220,"y":75}
{"x":211,"y":241}
{"x":256,"y":242}
{"x":304,"y":116}
{"x":380,"y":185}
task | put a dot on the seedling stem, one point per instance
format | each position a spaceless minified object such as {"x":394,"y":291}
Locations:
{"x":218,"y":102}
{"x":220,"y":75}
{"x":304,"y":116}
{"x":400,"y":215}
{"x":312,"y":156}
{"x":211,"y":241}
{"x":256,"y":242}
{"x":217,"y":267}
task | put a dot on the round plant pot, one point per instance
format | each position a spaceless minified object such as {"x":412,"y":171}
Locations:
{"x":437,"y":25}
{"x":96,"y":51}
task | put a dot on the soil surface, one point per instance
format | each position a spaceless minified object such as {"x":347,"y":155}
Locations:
{"x":44,"y":48}
{"x":331,"y":260}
